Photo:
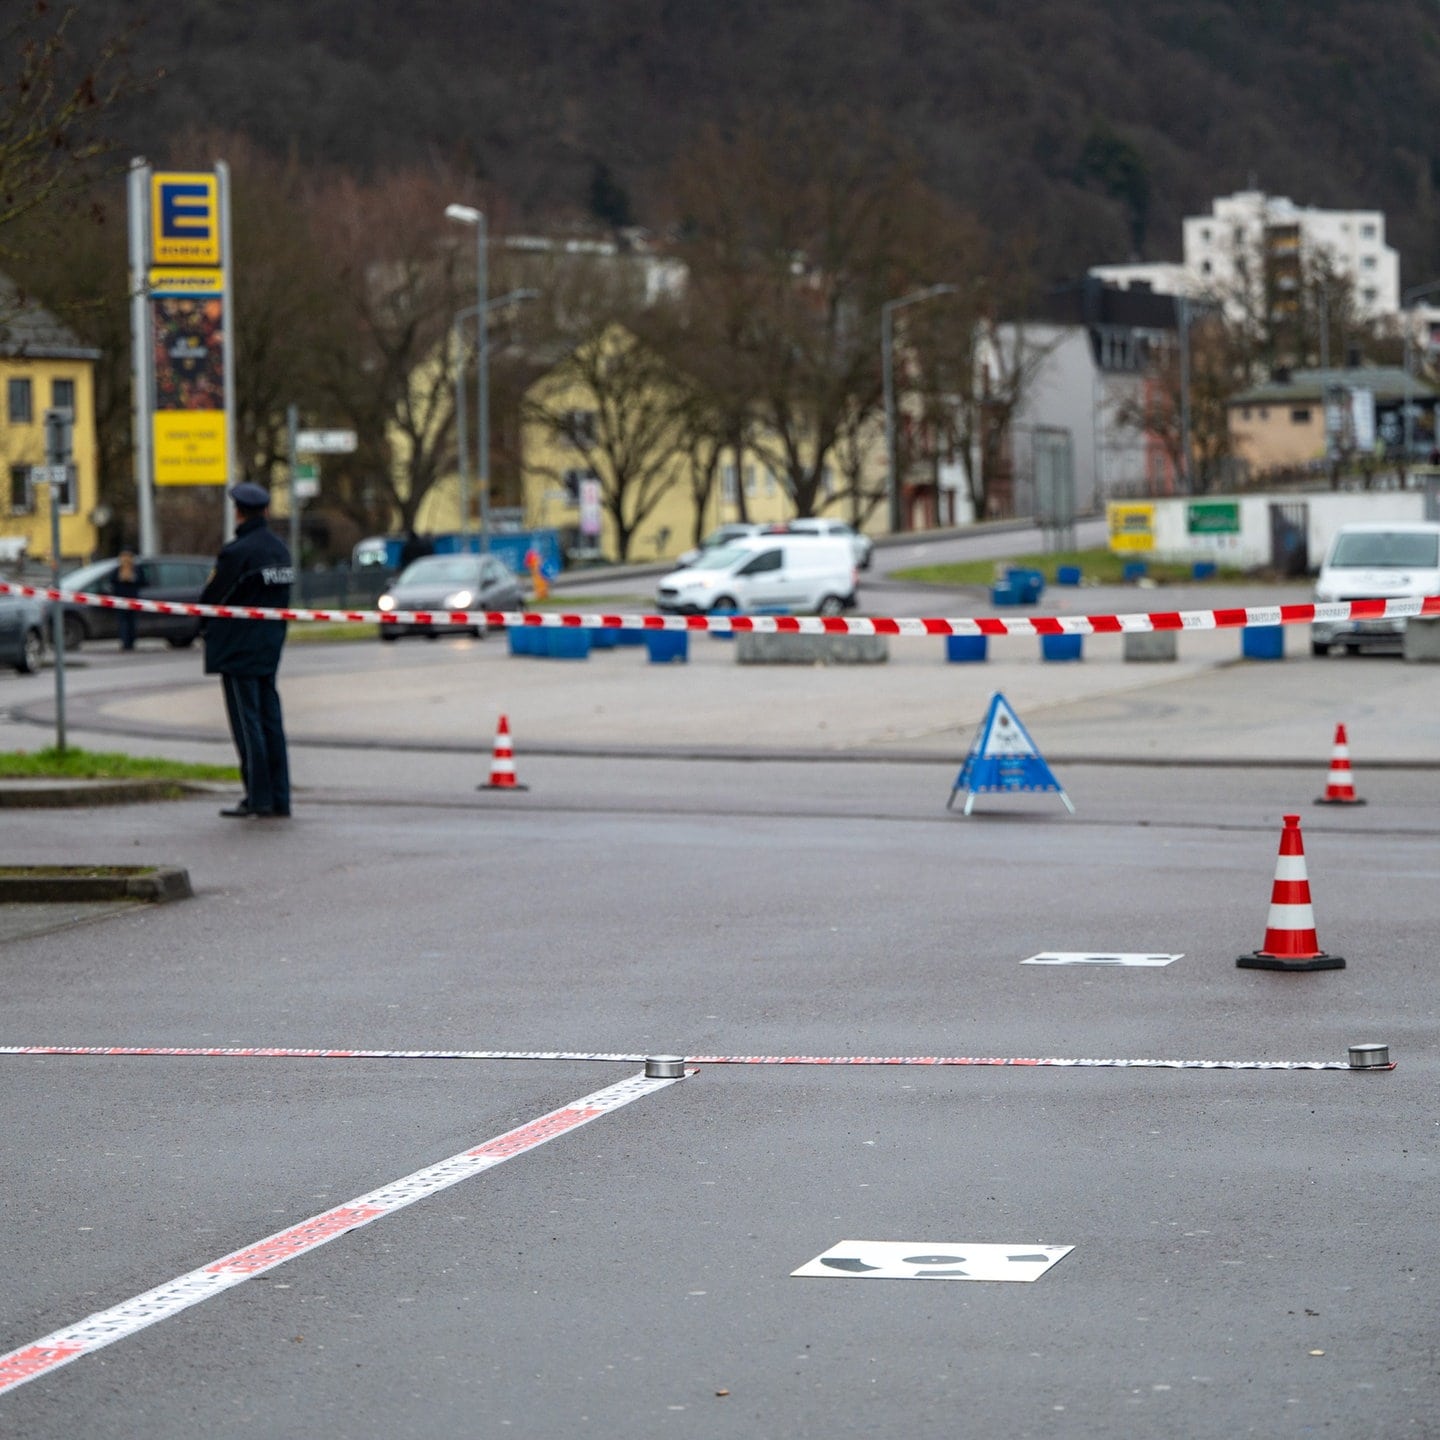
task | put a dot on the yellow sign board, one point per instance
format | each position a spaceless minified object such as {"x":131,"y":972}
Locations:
{"x":190,"y":447}
{"x":167,"y":281}
{"x":185,"y":219}
{"x":1132,"y":526}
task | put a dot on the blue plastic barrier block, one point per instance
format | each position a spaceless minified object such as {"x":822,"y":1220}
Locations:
{"x":1202,"y":569}
{"x":1263,"y":642}
{"x":567,"y":644}
{"x":1061,"y":647}
{"x":1134,"y":570}
{"x":1028,"y":584}
{"x":1005,"y":595}
{"x":630,"y":637}
{"x":667,"y":645}
{"x":522,"y":639}
{"x":1067,"y":575}
{"x":964,"y":649}
{"x":604,"y":637}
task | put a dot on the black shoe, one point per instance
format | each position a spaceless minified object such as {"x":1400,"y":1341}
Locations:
{"x":242,"y":811}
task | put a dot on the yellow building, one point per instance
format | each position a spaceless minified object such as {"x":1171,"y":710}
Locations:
{"x":44,"y":366}
{"x":1282,"y":424}
{"x":604,"y":420}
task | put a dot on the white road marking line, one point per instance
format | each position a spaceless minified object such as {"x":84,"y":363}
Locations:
{"x":106,"y":1326}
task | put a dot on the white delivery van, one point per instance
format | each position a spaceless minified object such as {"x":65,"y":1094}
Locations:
{"x":1398,"y":561}
{"x":802,"y":574}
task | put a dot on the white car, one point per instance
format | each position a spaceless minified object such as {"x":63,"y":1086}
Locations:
{"x":800,"y":574}
{"x":861,"y":546}
{"x":1398,"y":561}
{"x":721,"y":535}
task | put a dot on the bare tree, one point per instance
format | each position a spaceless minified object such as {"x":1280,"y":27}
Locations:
{"x":52,"y":101}
{"x":388,"y":364}
{"x":615,"y":404}
{"x":795,"y":241}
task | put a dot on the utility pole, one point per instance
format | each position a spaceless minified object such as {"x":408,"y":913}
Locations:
{"x":58,"y":446}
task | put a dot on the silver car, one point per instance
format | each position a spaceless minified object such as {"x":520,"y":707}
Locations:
{"x":450,"y":582}
{"x":22,"y":633}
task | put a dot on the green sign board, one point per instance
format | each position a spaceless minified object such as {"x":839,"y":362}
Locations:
{"x":1213,"y":517}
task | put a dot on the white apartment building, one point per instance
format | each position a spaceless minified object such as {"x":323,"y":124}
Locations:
{"x":1270,"y":237}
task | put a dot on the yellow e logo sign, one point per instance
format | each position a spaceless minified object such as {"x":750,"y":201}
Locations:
{"x":184,"y":219}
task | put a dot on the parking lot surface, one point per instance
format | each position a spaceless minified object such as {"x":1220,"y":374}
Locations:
{"x":766,"y":868}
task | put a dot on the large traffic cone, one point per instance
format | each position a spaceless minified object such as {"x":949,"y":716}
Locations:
{"x":1290,"y":939}
{"x":1340,"y":788}
{"x":502,"y":766}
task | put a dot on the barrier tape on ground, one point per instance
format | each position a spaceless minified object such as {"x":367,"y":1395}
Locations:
{"x":1235,"y":618}
{"x":106,"y":1326}
{"x":271,"y":1052}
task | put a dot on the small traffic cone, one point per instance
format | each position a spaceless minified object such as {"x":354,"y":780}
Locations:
{"x":1340,"y":788}
{"x":502,"y":766}
{"x":1290,"y":939}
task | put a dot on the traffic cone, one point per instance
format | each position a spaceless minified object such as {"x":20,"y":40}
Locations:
{"x":1340,"y":788}
{"x":502,"y":766}
{"x":1290,"y":939}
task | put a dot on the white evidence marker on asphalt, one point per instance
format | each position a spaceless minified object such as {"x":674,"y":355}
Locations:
{"x":1086,"y":957}
{"x":927,"y":1260}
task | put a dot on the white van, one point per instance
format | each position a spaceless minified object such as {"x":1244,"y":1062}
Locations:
{"x":1398,"y":561}
{"x":803,"y":574}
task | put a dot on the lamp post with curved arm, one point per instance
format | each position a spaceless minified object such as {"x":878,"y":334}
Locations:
{"x":887,"y":346}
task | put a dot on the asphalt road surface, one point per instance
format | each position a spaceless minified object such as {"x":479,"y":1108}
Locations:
{"x":1253,"y":1248}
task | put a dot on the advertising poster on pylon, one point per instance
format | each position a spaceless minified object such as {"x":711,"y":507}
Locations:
{"x":189,"y":335}
{"x":1003,"y":758}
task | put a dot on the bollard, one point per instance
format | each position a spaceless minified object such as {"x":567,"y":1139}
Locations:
{"x":664,"y":1067}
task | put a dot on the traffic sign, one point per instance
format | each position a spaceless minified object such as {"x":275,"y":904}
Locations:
{"x":305,"y":482}
{"x":326,"y":442}
{"x":49,"y":474}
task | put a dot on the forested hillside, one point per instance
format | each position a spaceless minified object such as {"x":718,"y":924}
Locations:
{"x":1088,"y":127}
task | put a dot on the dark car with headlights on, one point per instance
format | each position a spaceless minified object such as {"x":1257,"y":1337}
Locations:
{"x":449,"y":582}
{"x":22,"y":633}
{"x":177,"y":578}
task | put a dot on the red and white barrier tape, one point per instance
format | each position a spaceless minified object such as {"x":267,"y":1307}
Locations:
{"x":782,"y":624}
{"x":272,"y":1052}
{"x":106,"y":1326}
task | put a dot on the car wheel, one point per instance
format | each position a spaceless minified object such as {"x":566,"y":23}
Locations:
{"x":32,"y":652}
{"x":832,"y":605}
{"x":181,"y":642}
{"x":74,"y":628}
{"x":389,"y":632}
{"x":1319,"y":647}
{"x":724,"y":604}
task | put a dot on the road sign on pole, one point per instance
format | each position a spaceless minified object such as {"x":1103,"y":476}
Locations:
{"x":326,"y":442}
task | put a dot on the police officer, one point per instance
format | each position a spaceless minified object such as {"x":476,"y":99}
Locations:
{"x":254,"y":569}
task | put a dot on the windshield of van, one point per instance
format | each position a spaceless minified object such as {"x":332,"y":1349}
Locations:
{"x":1387,"y":550}
{"x":721,"y":558}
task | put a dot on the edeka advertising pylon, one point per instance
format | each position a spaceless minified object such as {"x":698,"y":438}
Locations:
{"x":1290,"y":940}
{"x":1003,"y":760}
{"x":1340,"y":786}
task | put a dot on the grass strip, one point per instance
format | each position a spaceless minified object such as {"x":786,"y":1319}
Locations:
{"x":73,"y":764}
{"x":1097,"y":567}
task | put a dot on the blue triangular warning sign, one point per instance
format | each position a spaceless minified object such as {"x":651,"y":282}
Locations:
{"x":1004,"y":758}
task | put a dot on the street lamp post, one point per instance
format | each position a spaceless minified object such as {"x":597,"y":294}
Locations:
{"x":887,"y":346}
{"x":468,"y":215}
{"x":1405,"y":301}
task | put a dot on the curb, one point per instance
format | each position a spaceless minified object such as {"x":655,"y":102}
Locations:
{"x":41,"y":795}
{"x":48,"y":884}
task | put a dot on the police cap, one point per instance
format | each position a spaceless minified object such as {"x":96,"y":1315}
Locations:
{"x":249,"y":496}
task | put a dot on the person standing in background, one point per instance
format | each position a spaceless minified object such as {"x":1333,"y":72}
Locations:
{"x":126,"y":586}
{"x":254,"y":569}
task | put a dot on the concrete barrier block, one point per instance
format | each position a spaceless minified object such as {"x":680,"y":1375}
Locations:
{"x":753,"y":649}
{"x":1152,"y":645}
{"x":1422,"y":640}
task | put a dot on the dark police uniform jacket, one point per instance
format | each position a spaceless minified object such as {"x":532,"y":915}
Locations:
{"x":253,"y":569}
